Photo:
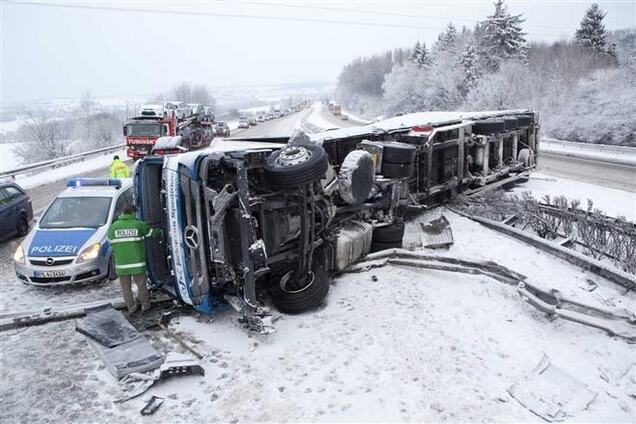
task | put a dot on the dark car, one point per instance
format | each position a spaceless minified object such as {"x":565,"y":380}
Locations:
{"x":222,"y":129}
{"x":16,"y":211}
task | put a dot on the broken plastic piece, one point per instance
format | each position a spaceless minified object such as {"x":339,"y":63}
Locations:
{"x":152,"y":405}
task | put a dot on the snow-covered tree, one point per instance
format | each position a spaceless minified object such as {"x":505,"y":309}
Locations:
{"x":502,"y":37}
{"x":469,"y":61}
{"x":592,"y":33}
{"x":446,"y":39}
{"x":415,"y":54}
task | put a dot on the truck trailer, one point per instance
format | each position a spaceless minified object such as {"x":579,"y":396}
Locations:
{"x":254,"y":222}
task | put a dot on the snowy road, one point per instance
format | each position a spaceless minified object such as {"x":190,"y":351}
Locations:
{"x":605,"y":174}
{"x":409,"y":345}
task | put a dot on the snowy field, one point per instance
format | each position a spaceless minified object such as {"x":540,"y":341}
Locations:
{"x":414,"y":345}
{"x":8,"y":159}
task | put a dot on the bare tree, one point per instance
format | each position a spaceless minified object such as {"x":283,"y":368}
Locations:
{"x":182,"y":92}
{"x":42,"y":137}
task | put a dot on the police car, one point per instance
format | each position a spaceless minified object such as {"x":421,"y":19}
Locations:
{"x":69,"y":243}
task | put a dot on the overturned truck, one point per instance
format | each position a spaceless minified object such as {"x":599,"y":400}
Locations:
{"x":249,"y":220}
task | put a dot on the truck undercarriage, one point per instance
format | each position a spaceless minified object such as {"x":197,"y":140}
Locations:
{"x":277,"y":220}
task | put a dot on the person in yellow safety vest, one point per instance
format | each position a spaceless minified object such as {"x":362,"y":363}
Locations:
{"x":118,"y":169}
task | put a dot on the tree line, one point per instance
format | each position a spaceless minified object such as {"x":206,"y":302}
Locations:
{"x":492,"y":66}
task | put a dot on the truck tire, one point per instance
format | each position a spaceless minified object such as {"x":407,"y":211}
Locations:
{"x":510,"y":123}
{"x":356,"y":176}
{"x":489,"y":126}
{"x":296,"y":301}
{"x":377,"y":246}
{"x":524,"y":120}
{"x":296,"y":165}
{"x":389,"y":234}
{"x":396,"y":170}
{"x":394,"y":152}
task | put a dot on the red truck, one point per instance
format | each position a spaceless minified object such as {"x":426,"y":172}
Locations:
{"x":141,"y":133}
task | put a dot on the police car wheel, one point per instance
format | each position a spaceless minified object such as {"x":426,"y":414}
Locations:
{"x":112,"y":275}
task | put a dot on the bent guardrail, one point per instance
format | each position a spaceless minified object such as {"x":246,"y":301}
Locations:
{"x":54,"y":163}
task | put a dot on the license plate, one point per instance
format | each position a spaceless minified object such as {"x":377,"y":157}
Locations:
{"x":51,"y":274}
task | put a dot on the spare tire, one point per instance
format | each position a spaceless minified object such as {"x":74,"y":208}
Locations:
{"x":489,"y":126}
{"x":295,"y":300}
{"x":296,"y":165}
{"x":395,"y":152}
{"x":389,"y":233}
{"x":524,"y":120}
{"x":397,"y":170}
{"x":510,"y":123}
{"x":356,"y":176}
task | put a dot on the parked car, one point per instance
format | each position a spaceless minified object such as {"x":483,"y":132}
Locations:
{"x":344,"y":117}
{"x":16,"y":211}
{"x":222,"y":129}
{"x":69,"y":243}
{"x":195,"y":108}
{"x":252,"y":121}
{"x":183,"y":110}
{"x":261,"y":118}
{"x":275,"y":219}
{"x":243,"y":123}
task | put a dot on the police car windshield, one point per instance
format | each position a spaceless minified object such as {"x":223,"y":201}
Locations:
{"x":73,"y":212}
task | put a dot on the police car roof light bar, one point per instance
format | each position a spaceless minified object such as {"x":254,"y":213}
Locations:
{"x":94,"y":182}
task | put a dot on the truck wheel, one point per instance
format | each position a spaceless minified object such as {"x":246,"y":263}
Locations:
{"x":294,"y":299}
{"x":489,"y":126}
{"x":23,"y":226}
{"x":377,"y":246}
{"x":389,"y":234}
{"x":510,"y":123}
{"x":396,"y":170}
{"x":296,"y":165}
{"x":524,"y":120}
{"x":395,"y":152}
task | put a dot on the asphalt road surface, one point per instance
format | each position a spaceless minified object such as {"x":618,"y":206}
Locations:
{"x":605,"y":174}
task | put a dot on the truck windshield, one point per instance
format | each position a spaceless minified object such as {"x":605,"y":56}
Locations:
{"x":143,"y":130}
{"x":73,"y":212}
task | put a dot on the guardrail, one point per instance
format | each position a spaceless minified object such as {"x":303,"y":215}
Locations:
{"x":54,"y":163}
{"x":620,"y":155}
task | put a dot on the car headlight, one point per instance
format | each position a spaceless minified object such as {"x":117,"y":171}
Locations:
{"x":91,"y":252}
{"x":18,"y":256}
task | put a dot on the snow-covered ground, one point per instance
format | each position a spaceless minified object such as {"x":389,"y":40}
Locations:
{"x":407,"y":345}
{"x":8,"y":159}
{"x":611,"y":201}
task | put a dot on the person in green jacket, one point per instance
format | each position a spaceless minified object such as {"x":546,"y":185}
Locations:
{"x":118,"y":169}
{"x":126,"y":236}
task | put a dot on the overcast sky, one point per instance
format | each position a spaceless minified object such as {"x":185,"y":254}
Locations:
{"x":62,"y":51}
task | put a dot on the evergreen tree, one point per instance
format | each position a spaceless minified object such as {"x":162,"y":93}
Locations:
{"x":592,"y":33}
{"x":447,"y":38}
{"x":424,"y":58}
{"x":469,"y":61}
{"x":502,"y":37}
{"x":415,"y":55}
